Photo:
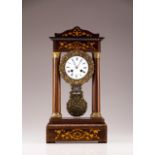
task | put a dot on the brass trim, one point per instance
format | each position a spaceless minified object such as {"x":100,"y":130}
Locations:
{"x":56,"y":115}
{"x":96,"y":55}
{"x":55,"y":54}
{"x":96,"y":114}
{"x":64,"y":74}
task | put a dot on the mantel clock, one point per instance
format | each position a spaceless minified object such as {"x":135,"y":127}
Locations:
{"x":80,"y":63}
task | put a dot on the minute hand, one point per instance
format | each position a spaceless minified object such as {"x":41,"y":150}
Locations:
{"x":79,"y":63}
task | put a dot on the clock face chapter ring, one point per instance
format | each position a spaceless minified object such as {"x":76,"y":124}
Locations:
{"x":76,"y":67}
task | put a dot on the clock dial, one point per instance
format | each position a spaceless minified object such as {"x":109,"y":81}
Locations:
{"x":76,"y":67}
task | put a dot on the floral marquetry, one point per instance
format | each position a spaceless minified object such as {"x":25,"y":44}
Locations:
{"x":76,"y":32}
{"x":77,"y":134}
{"x":84,"y":46}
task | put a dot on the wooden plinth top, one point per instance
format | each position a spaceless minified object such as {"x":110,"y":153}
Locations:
{"x":77,"y":121}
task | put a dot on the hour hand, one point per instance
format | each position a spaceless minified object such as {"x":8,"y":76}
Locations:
{"x":74,"y":62}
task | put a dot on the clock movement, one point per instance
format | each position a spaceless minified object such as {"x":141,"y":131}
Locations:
{"x":79,"y":64}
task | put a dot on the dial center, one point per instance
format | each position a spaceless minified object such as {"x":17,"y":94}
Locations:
{"x":76,"y":67}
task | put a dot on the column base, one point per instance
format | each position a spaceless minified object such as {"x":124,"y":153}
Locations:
{"x":56,"y":115}
{"x":96,"y":115}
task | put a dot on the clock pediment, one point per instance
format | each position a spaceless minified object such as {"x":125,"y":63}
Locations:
{"x":76,"y":38}
{"x":76,"y":32}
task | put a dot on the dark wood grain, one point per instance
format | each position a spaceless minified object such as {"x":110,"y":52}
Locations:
{"x":73,"y":130}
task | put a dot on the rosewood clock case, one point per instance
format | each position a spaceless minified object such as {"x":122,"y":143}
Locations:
{"x":76,"y":129}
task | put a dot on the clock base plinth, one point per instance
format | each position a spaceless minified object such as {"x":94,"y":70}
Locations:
{"x":76,"y":130}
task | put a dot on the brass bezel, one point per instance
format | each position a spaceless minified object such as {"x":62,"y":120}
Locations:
{"x":64,"y":74}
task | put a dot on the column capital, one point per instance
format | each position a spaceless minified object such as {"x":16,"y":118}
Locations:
{"x":96,"y":55}
{"x":55,"y":54}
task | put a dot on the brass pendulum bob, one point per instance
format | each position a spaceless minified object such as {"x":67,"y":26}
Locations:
{"x":76,"y":105}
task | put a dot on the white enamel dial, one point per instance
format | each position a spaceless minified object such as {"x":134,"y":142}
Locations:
{"x":76,"y":67}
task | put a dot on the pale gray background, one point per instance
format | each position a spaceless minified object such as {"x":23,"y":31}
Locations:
{"x":110,"y":18}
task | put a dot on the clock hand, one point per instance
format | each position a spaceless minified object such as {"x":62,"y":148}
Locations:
{"x":79,"y":63}
{"x":74,"y":63}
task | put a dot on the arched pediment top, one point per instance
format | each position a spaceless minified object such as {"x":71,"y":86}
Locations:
{"x":77,"y":32}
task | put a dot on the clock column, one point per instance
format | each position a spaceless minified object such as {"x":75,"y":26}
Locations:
{"x":96,"y":86}
{"x":56,"y":86}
